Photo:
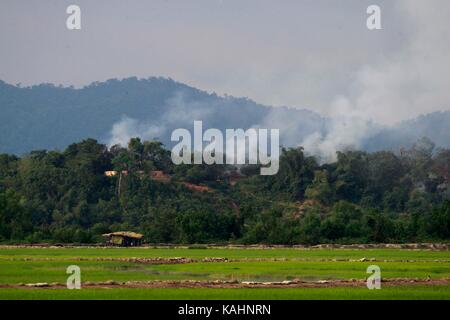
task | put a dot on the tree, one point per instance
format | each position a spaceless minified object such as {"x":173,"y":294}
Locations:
{"x":295,"y":174}
{"x":320,"y":188}
{"x":384,"y":173}
{"x":351,"y":175}
{"x":14,"y":218}
{"x":439,"y":222}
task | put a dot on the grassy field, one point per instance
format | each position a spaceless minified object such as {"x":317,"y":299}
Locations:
{"x":32,"y":265}
{"x":230,"y":253}
{"x":389,"y":293}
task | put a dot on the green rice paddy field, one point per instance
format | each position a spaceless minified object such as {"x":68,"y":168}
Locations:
{"x":19,"y":266}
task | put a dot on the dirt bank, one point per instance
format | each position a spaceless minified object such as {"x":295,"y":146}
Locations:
{"x":236,"y":284}
{"x":410,"y":246}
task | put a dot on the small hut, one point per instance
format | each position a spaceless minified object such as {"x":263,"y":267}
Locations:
{"x":123,"y":238}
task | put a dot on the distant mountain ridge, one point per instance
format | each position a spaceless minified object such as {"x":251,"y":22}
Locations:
{"x":50,"y":117}
{"x":435,"y":125}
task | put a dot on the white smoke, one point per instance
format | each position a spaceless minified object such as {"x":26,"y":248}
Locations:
{"x":414,"y":80}
{"x":409,"y":81}
{"x":128,"y":128}
{"x":177,"y":113}
{"x":404,"y":85}
{"x":347,"y":128}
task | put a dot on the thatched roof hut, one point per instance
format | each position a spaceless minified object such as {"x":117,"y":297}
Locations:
{"x":124,"y":238}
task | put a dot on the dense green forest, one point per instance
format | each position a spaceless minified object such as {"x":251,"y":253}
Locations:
{"x":61,"y":197}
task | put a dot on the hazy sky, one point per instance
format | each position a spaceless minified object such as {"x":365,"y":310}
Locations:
{"x":315,"y":54}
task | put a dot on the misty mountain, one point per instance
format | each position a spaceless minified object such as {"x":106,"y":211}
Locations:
{"x":435,"y":126}
{"x":50,"y":117}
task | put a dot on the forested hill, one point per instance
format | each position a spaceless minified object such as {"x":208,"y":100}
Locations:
{"x":52,"y":196}
{"x":50,"y":117}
